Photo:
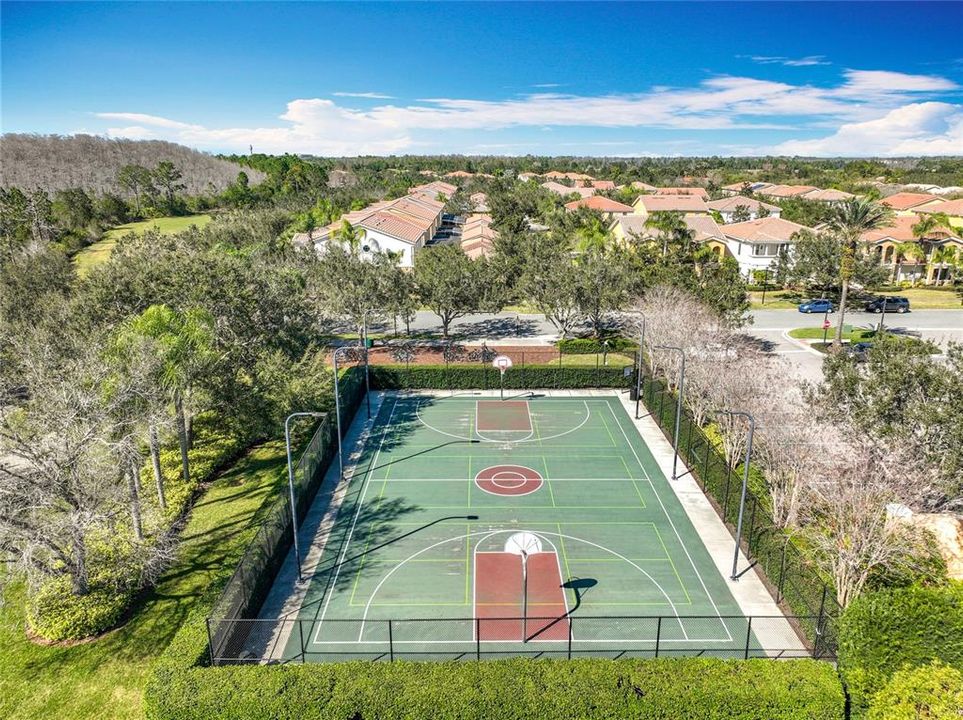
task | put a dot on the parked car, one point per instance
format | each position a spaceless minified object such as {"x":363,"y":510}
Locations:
{"x":817,"y":306}
{"x":892,"y":304}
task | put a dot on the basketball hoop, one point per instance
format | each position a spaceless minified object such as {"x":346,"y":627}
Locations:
{"x":502,"y":362}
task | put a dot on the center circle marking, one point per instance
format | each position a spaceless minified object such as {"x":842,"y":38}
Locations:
{"x":508,"y":480}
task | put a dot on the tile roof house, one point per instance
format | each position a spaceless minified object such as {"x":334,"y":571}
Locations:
{"x":726,"y":207}
{"x":434,"y":189}
{"x":478,"y":237}
{"x":565,"y":190}
{"x":632,"y":227}
{"x":479,"y":202}
{"x":601,"y":203}
{"x":687,"y":204}
{"x":953,"y":209}
{"x":402,"y":226}
{"x":644,"y":187}
{"x":785,"y":191}
{"x":736,"y":188}
{"x":694,"y":191}
{"x":828,"y":196}
{"x":757,"y":244}
{"x":903,"y":202}
{"x":602,"y":184}
{"x":887,"y":243}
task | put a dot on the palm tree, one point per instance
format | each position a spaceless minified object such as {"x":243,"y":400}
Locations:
{"x":925,"y":227}
{"x":911,"y":250}
{"x":350,"y":235}
{"x":943,"y":257}
{"x":850,"y":220}
{"x":670,"y":226}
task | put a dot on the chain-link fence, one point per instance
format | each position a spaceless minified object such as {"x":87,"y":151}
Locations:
{"x":791,"y":579}
{"x":452,"y":366}
{"x":564,"y":637}
{"x":255,"y":573}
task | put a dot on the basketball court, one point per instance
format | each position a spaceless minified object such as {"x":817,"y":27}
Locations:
{"x":530,"y":525}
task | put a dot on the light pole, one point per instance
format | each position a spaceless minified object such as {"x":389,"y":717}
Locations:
{"x":678,"y":405}
{"x":294,"y":510}
{"x":638,"y":375}
{"x":337,"y":401}
{"x":745,"y":484}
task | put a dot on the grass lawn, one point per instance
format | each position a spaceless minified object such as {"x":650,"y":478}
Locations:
{"x":849,"y":333}
{"x":104,"y":679}
{"x":923,"y":298}
{"x":97,"y":253}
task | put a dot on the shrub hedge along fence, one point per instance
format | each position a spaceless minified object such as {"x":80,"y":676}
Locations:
{"x":679,"y":688}
{"x":886,"y":631}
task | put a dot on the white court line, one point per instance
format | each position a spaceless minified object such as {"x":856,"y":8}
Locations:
{"x":418,"y":406}
{"x":667,"y":517}
{"x":347,"y":544}
{"x":490,"y":533}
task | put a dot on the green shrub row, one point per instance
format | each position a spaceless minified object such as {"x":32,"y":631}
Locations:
{"x":591,"y":346}
{"x":517,"y":689}
{"x":56,"y":614}
{"x":474,"y":377}
{"x":933,"y":691}
{"x":883,"y":632}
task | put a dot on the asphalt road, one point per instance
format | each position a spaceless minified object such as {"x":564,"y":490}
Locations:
{"x":772,"y":326}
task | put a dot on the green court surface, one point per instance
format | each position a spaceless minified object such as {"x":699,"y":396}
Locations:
{"x":534,"y":525}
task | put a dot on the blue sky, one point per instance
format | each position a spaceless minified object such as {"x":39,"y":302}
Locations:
{"x":498,"y":78}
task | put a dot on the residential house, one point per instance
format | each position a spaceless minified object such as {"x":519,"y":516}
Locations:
{"x":602,"y":184}
{"x":566,"y":190}
{"x":645,"y":205}
{"x":609,"y":208}
{"x":693,"y":191}
{"x":757,"y":244}
{"x":644,"y":187}
{"x":828,"y":196}
{"x":478,"y":237}
{"x":434,"y":190}
{"x":913,"y":259}
{"x":479,"y":202}
{"x":401,"y":227}
{"x":736,"y":188}
{"x":629,"y":228}
{"x":953,"y":209}
{"x":785,"y":192}
{"x":726,"y":207}
{"x":907,"y":203}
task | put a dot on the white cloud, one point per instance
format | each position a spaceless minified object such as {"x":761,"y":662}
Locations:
{"x":322,"y":126}
{"x":790,"y":62}
{"x":371,"y":95}
{"x":929,"y":128}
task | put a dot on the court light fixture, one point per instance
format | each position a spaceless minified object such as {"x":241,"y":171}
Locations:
{"x":745,"y":483}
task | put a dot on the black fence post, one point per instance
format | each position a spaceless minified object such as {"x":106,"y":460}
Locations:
{"x":658,"y":635}
{"x":391,"y":644}
{"x":210,"y":640}
{"x":748,"y":635}
{"x":819,"y":621}
{"x":752,"y":523}
{"x":301,"y":639}
{"x":725,"y":493}
{"x":782,"y":572}
{"x":570,"y":621}
{"x":477,"y":638}
{"x":688,"y":443}
{"x":705,"y":474}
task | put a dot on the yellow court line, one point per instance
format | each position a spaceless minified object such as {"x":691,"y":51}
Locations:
{"x":548,"y":481}
{"x":568,"y":572}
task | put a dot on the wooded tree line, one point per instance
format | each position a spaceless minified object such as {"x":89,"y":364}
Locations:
{"x":832,"y":458}
{"x":58,"y":162}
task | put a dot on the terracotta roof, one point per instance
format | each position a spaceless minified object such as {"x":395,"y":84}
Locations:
{"x":677,"y":203}
{"x":901,"y":230}
{"x":603,"y":184}
{"x":695,"y":191}
{"x":434,"y":189}
{"x":459,"y":174}
{"x":639,"y":185}
{"x":769,"y":229}
{"x":949,"y":207}
{"x":786,"y":191}
{"x":389,"y":224}
{"x":703,"y":226}
{"x":830,"y":195}
{"x":564,"y":190}
{"x":729,"y":204}
{"x":600,"y":203}
{"x":907,"y":200}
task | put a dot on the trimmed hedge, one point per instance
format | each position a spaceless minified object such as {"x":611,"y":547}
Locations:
{"x":882,"y":632}
{"x":475,"y":377}
{"x":591,"y":346}
{"x":679,"y":688}
{"x":931,"y":692}
{"x":56,"y":614}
